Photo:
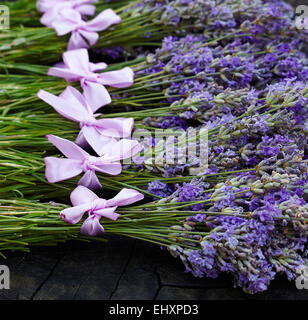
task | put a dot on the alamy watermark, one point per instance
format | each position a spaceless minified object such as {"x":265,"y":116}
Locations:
{"x":301,"y":21}
{"x":4,"y":17}
{"x":301,"y":281}
{"x":4,"y":277}
{"x":171,"y":148}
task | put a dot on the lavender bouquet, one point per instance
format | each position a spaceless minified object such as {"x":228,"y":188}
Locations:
{"x":209,"y":131}
{"x":146,"y":23}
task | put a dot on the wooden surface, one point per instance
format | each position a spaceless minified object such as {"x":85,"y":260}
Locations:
{"x":122,"y":269}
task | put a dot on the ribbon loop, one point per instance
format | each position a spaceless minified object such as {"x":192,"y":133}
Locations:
{"x":83,"y":6}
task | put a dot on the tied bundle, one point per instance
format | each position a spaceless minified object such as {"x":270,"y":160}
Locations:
{"x":144,"y":23}
{"x":208,"y":129}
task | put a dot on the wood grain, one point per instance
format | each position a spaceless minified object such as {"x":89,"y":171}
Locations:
{"x":122,"y":269}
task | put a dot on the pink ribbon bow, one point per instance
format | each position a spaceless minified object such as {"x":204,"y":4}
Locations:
{"x":83,"y":32}
{"x":77,"y":67}
{"x":84,"y":200}
{"x":77,"y":161}
{"x":99,"y":134}
{"x":44,"y":5}
{"x":53,"y":8}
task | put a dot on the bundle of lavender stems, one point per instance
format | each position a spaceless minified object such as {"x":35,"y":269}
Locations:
{"x":219,"y":111}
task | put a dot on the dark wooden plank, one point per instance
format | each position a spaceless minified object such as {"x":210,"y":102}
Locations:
{"x":140,"y":280}
{"x":89,"y":271}
{"x":178,"y":293}
{"x":121,"y":269}
{"x":29,"y":271}
{"x":296,"y":3}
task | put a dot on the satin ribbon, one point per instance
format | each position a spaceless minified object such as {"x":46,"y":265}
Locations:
{"x":52,"y":9}
{"x":77,"y":67}
{"x":99,"y":134}
{"x":84,"y":200}
{"x":45,"y":5}
{"x":83,"y":32}
{"x":77,"y":161}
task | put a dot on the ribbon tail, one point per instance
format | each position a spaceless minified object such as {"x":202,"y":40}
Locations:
{"x":72,"y":111}
{"x":67,"y":74}
{"x":82,"y":195}
{"x":124,"y":149}
{"x":104,"y":20}
{"x":113,"y":169}
{"x":48,"y":18}
{"x":125,"y":197}
{"x":100,"y":143}
{"x":74,"y":214}
{"x":86,"y":9}
{"x":95,"y":94}
{"x":91,"y":36}
{"x":73,"y":96}
{"x":77,"y":60}
{"x":90,"y":181}
{"x":92,"y":227}
{"x":115,"y":127}
{"x":97,"y":66}
{"x":81,"y":140}
{"x":118,"y":79}
{"x":76,"y":41}
{"x":68,"y":148}
{"x":42,"y":5}
{"x":108,"y":213}
{"x":62,"y":26}
{"x":58,"y":169}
